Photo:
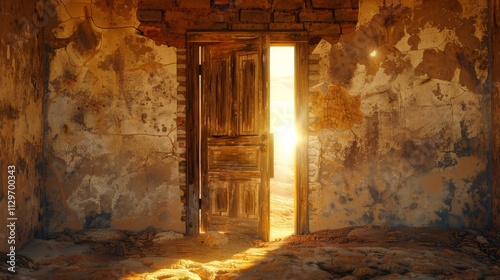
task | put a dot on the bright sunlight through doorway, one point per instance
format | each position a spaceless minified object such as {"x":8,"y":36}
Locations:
{"x":283,"y":128}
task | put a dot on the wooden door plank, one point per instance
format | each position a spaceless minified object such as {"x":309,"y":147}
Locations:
{"x":248,"y":71}
{"x":219,"y":97}
{"x":264,"y":192}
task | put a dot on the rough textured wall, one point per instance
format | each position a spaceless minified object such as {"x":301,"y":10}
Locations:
{"x":495,"y":112}
{"x":111,"y":121}
{"x":167,"y":21}
{"x":21,"y":128}
{"x":400,"y":120}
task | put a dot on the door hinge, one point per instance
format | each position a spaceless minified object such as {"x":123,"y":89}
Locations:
{"x":199,"y":69}
{"x":199,"y":203}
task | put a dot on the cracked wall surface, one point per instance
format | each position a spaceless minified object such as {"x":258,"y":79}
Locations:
{"x":21,"y":126}
{"x":110,"y":121}
{"x":409,"y":145}
{"x":399,"y":120}
{"x":495,"y":112}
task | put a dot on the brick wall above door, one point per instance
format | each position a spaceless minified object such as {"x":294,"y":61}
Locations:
{"x":167,"y":21}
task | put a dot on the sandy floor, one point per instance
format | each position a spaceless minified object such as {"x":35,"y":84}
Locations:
{"x":282,"y":210}
{"x":350,"y":253}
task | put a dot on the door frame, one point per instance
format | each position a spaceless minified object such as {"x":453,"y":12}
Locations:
{"x":193,"y":187}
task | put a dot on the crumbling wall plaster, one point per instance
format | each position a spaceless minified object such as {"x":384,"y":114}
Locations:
{"x":409,"y":145}
{"x":110,"y":122}
{"x":21,"y":126}
{"x":495,"y":112}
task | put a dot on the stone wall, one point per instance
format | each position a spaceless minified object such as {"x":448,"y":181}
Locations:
{"x":21,"y":126}
{"x":111,"y":126}
{"x":400,"y":119}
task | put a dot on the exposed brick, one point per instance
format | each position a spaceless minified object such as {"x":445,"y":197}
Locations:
{"x":155,"y":31}
{"x":316,"y":16}
{"x":149,"y":15}
{"x":249,"y":26}
{"x":177,"y":26}
{"x":347,"y":27}
{"x":196,"y":4}
{"x":207,"y":25}
{"x":314,"y":68}
{"x":355,"y":4}
{"x":288,"y":4}
{"x":284,"y":17}
{"x":328,"y":32}
{"x":257,"y":16}
{"x":331,"y":4}
{"x":181,"y":71}
{"x":174,"y":40}
{"x":331,"y":39}
{"x":226,"y":17}
{"x":156,"y":4}
{"x":221,"y":2}
{"x":181,"y":59}
{"x":257,"y":4}
{"x":174,"y":15}
{"x":314,"y":57}
{"x":324,"y":28}
{"x":286,"y":26}
{"x":346,"y":15}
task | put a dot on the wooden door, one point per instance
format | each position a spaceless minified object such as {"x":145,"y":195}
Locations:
{"x":235,"y":137}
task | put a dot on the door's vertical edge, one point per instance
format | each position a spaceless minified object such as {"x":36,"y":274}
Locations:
{"x":301,"y":158}
{"x":192,"y":138}
{"x":265,"y":197}
{"x":205,"y":124}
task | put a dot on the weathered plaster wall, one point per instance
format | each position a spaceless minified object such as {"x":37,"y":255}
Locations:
{"x":111,"y":121}
{"x":401,"y":138}
{"x":21,"y":128}
{"x":495,"y":111}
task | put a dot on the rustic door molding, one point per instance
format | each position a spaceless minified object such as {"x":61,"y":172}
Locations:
{"x":195,"y":40}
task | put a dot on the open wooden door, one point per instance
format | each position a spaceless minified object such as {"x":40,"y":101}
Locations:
{"x":235,"y":141}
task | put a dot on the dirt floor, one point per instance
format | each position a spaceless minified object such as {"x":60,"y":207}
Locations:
{"x":349,"y":253}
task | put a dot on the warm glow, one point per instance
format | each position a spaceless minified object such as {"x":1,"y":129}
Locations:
{"x":373,"y":53}
{"x":282,"y":101}
{"x":283,"y":127}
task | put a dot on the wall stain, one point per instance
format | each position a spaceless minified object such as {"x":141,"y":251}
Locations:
{"x":436,"y":64}
{"x":86,"y":40}
{"x":97,"y":220}
{"x":8,"y":112}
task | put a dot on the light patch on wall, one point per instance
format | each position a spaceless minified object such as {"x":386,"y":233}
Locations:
{"x":431,"y":37}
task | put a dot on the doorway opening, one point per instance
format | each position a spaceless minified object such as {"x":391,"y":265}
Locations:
{"x":282,"y":126}
{"x":228,"y":136}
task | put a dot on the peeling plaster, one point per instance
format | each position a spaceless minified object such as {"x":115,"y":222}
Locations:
{"x":425,"y":121}
{"x":111,"y":122}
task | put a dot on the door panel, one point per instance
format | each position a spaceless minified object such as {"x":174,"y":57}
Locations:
{"x":228,"y":158}
{"x":248,"y":94}
{"x":234,"y":138}
{"x":219,"y":111}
